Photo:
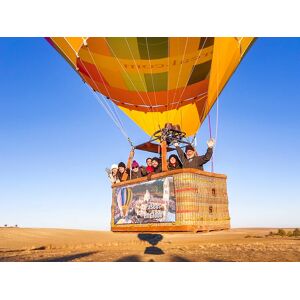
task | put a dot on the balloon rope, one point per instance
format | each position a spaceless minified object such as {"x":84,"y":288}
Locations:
{"x":217,"y":107}
{"x":210,"y":136}
{"x":188,"y":78}
{"x":115,"y":113}
{"x":175,"y":91}
{"x":199,"y":54}
{"x":108,"y":110}
{"x":105,"y":105}
{"x":139,"y":73}
{"x":151,"y":72}
{"x":125,"y":71}
{"x":111,"y":116}
{"x":169,"y":53}
{"x":217,"y":112}
{"x":142,"y":81}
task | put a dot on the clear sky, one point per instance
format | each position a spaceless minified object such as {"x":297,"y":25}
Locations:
{"x":56,"y":140}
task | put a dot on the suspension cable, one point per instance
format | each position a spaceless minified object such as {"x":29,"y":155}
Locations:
{"x":106,"y":107}
{"x":210,"y":136}
{"x":199,"y":54}
{"x":188,"y":78}
{"x":217,"y":114}
{"x":151,"y":76}
{"x":186,"y":42}
{"x":169,"y":53}
{"x":115,"y":113}
{"x":96,"y":95}
{"x":108,"y":110}
{"x":125,"y":72}
{"x":142,"y":81}
{"x":217,"y":104}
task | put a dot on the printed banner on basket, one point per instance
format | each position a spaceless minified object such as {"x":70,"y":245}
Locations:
{"x":148,"y":202}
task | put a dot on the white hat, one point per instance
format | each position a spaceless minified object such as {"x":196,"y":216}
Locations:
{"x":114,"y":166}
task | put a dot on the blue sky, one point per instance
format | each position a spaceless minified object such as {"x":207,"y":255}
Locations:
{"x":56,"y":140}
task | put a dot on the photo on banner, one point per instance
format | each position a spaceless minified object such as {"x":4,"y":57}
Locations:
{"x":148,"y":202}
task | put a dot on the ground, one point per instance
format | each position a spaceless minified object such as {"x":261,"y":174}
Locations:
{"x":245,"y":245}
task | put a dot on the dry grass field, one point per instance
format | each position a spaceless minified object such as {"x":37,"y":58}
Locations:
{"x":66,"y":245}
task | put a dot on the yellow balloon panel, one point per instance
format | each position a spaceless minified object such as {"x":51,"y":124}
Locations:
{"x":228,"y":53}
{"x":186,"y":116}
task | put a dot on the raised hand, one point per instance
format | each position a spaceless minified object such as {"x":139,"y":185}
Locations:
{"x":211,"y":142}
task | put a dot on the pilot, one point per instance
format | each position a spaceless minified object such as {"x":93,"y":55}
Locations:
{"x":190,"y":159}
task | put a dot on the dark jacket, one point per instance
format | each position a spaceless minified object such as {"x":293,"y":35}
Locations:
{"x":171,"y":167}
{"x":195,"y":162}
{"x":158,"y":169}
{"x":178,"y":164}
{"x":140,"y":173}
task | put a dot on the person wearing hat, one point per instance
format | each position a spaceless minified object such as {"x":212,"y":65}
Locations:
{"x":190,"y":159}
{"x":137,"y":171}
{"x":174,"y":162}
{"x":112,"y":174}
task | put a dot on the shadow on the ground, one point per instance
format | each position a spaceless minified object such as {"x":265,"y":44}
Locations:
{"x":177,"y":258}
{"x":153,"y":239}
{"x":65,"y":258}
{"x":11,"y":251}
{"x":216,"y":260}
{"x":130,"y":258}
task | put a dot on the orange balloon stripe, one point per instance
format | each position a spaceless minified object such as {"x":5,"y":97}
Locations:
{"x":132,"y":97}
{"x":99,"y":46}
{"x":91,"y":71}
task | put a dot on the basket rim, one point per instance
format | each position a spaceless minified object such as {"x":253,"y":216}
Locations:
{"x":168,"y":173}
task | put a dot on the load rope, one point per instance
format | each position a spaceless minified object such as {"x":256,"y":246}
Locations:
{"x":114,"y":116}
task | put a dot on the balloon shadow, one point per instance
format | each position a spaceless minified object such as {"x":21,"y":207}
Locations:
{"x":153,"y":240}
{"x":130,"y":258}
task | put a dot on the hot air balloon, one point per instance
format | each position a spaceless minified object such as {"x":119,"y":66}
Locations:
{"x":166,"y":85}
{"x":124,"y":197}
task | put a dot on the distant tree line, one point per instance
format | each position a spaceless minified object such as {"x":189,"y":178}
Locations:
{"x":282,"y":232}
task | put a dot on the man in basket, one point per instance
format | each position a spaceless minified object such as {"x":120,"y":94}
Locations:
{"x":190,"y":159}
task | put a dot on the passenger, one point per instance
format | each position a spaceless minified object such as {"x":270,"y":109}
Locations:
{"x":156,"y":165}
{"x":112,"y":175}
{"x":149,"y":167}
{"x":137,"y":171}
{"x":122,"y":172}
{"x":174,"y":162}
{"x":191,"y":160}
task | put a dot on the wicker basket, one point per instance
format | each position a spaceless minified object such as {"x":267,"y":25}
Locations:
{"x":201,"y":203}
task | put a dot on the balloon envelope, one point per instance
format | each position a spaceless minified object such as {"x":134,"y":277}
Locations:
{"x":157,"y":80}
